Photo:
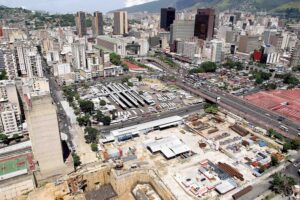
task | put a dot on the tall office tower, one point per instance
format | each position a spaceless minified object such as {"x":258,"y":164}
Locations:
{"x":97,"y":24}
{"x":205,"y":23}
{"x":167,"y":16}
{"x":80,"y":24}
{"x":10,"y":64}
{"x":10,"y":112}
{"x":182,"y":29}
{"x":2,"y":64}
{"x":33,"y":62}
{"x":79,"y":56}
{"x":120,"y":23}
{"x":295,"y":58}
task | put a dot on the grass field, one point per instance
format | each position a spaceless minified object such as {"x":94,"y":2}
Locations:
{"x":14,"y":164}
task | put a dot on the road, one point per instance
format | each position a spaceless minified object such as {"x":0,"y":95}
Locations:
{"x":250,"y":112}
{"x":63,"y":119}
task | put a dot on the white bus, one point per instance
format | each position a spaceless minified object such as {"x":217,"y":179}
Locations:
{"x":284,"y":128}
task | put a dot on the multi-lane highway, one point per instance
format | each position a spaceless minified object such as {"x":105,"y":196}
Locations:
{"x":250,"y":112}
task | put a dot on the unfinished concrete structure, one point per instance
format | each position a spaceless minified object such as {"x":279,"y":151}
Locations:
{"x":44,"y":133}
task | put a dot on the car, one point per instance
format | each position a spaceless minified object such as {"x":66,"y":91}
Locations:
{"x":280,"y":118}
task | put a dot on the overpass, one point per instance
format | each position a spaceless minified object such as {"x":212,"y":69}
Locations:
{"x":252,"y":113}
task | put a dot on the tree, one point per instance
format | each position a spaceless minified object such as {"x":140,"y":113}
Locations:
{"x":3,"y":138}
{"x":125,"y":67}
{"x":130,"y":84}
{"x":140,"y":78}
{"x":99,"y":116}
{"x":94,"y":147}
{"x":76,"y":159}
{"x":84,"y":120}
{"x":211,"y":108}
{"x":291,"y":80}
{"x":16,"y":137}
{"x":3,"y":75}
{"x":296,"y":68}
{"x":115,"y":59}
{"x":204,"y":67}
{"x":274,"y":161}
{"x":86,"y":106}
{"x":102,"y":102}
{"x":91,"y":135}
{"x":106,"y":120}
{"x":282,"y":184}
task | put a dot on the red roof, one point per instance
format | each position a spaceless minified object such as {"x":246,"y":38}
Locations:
{"x":131,"y":65}
{"x":286,"y":102}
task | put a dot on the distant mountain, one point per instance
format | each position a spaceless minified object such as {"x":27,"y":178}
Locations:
{"x":249,"y":5}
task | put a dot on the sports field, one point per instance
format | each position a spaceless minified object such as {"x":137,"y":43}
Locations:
{"x":15,"y":164}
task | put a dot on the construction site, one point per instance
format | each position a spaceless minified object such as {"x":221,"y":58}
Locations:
{"x":197,"y":156}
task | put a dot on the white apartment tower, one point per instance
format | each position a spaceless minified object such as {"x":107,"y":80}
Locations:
{"x":10,"y":64}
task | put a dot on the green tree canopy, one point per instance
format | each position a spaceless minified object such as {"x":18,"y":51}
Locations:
{"x":115,"y":59}
{"x":86,"y":106}
{"x":76,"y":159}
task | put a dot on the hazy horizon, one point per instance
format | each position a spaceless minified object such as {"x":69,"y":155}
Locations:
{"x":71,"y":6}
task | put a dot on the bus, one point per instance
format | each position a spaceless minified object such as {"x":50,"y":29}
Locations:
{"x":284,"y":128}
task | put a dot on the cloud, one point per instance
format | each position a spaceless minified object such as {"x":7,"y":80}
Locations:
{"x":129,"y":3}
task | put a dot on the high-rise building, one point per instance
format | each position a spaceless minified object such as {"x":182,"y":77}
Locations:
{"x":80,"y":24}
{"x":248,"y":43}
{"x":182,"y":29}
{"x":79,"y":56}
{"x":205,"y":23}
{"x":97,"y":24}
{"x":216,"y":51}
{"x":295,"y":58}
{"x":33,"y":62}
{"x":120,"y":23}
{"x":10,"y":112}
{"x":167,"y":16}
{"x":41,"y":118}
{"x":10,"y":64}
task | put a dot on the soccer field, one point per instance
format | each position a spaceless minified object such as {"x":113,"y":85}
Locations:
{"x":13,"y":164}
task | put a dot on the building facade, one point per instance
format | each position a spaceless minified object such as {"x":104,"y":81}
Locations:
{"x":120,"y":23}
{"x":167,"y":16}
{"x":80,"y":24}
{"x":97,"y":25}
{"x":205,"y":23}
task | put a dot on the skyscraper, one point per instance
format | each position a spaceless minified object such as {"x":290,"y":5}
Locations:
{"x":80,"y":24}
{"x":167,"y":16}
{"x":205,"y":23}
{"x":97,"y":24}
{"x":120,"y":23}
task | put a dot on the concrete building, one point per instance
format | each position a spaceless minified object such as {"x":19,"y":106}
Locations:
{"x":205,"y":23}
{"x":182,"y":29}
{"x":41,"y":118}
{"x":295,"y":57}
{"x":79,"y":56}
{"x":80,"y":24}
{"x":52,"y":57}
{"x":33,"y":62}
{"x":10,"y":64}
{"x":248,"y":44}
{"x":167,"y":16}
{"x":97,"y":25}
{"x":20,"y":56}
{"x":187,"y":49}
{"x":10,"y":121}
{"x":120,"y":23}
{"x":124,"y":46}
{"x":61,"y":69}
{"x":216,"y":51}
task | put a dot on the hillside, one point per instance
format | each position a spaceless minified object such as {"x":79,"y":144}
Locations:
{"x":249,"y":5}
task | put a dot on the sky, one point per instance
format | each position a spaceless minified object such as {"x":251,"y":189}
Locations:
{"x":71,"y":6}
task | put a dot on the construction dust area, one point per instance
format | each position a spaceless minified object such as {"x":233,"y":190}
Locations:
{"x":204,"y":157}
{"x":209,"y":156}
{"x":143,"y":98}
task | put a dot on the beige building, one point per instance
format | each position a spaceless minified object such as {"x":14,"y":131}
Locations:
{"x":248,"y":44}
{"x":44,"y":133}
{"x":120,"y":23}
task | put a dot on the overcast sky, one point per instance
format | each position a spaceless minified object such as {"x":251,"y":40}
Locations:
{"x":67,"y":6}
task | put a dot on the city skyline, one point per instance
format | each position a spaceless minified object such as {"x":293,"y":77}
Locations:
{"x":63,"y":6}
